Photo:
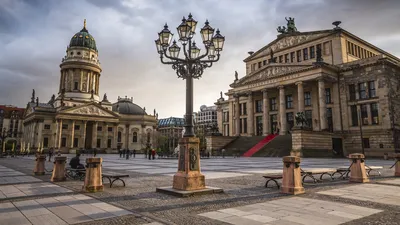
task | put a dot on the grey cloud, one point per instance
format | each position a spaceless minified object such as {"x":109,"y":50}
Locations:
{"x":32,"y":46}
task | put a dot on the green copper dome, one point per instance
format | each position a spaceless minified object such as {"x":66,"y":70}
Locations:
{"x":83,"y":39}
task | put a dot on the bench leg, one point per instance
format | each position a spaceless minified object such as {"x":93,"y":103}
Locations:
{"x":111,"y":183}
{"x":276,"y":182}
{"x":331,"y":175}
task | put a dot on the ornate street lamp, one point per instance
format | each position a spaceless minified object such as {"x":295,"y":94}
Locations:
{"x":190,"y":67}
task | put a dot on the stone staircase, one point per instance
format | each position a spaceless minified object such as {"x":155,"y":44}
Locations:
{"x":280,"y":146}
{"x":259,"y":145}
{"x":241,"y":145}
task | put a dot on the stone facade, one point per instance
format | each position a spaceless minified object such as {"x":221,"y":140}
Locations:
{"x":76,"y":118}
{"x":337,"y":79}
{"x":11,"y":120}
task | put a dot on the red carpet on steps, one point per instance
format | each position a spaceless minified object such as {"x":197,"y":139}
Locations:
{"x":259,"y":145}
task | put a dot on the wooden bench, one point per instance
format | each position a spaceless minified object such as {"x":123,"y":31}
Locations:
{"x":112,"y":177}
{"x":274,"y":178}
{"x":344,"y":171}
{"x":75,"y":174}
{"x":317,"y":171}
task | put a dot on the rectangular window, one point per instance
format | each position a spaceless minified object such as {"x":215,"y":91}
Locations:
{"x":76,"y":86}
{"x":98,"y":143}
{"x":47,"y":126}
{"x":307,"y":98}
{"x":366,"y":142}
{"x":292,"y":56}
{"x":76,"y":142}
{"x":362,"y":90}
{"x":348,"y":47}
{"x":63,"y":142}
{"x":281,"y":59}
{"x":77,"y":127}
{"x":245,"y":125}
{"x":287,"y":58}
{"x":312,"y":52}
{"x":371,"y":89}
{"x":374,"y":113}
{"x":264,"y":62}
{"x":45,"y":142}
{"x":290,"y":120}
{"x":243,"y":109}
{"x":253,"y":67}
{"x":65,"y":126}
{"x":305,"y":54}
{"x":352,"y":92}
{"x":319,"y":47}
{"x":109,"y":143}
{"x":299,"y":56}
{"x":354,"y":115}
{"x":364,"y":114}
{"x":259,"y":64}
{"x":99,"y":128}
{"x":289,"y":101}
{"x":359,"y":52}
{"x":241,"y":125}
{"x":328,"y":98}
{"x":110,"y":129}
{"x":258,"y":106}
{"x":308,"y":115}
{"x":272,"y":104}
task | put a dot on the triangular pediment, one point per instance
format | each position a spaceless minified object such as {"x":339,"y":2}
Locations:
{"x":270,"y":71}
{"x":286,"y":41}
{"x":90,"y":109}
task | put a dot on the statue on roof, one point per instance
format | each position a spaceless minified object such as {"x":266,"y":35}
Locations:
{"x":272,"y":59}
{"x":37,"y":101}
{"x":291,"y":27}
{"x":144,"y":109}
{"x":236,"y":76}
{"x":92,"y":93}
{"x":33,"y":96}
{"x":105,"y":97}
{"x":154,"y":112}
{"x":221,"y":94}
{"x":281,"y":29}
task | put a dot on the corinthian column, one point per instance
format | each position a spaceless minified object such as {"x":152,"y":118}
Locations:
{"x":282,"y":111}
{"x":265,"y":112}
{"x":59,"y":134}
{"x":94,"y":135}
{"x":322,"y":104}
{"x":84,"y":135}
{"x":105,"y":136}
{"x":72,"y":133}
{"x":300,"y":96}
{"x":250,"y":113}
{"x":237,"y":115}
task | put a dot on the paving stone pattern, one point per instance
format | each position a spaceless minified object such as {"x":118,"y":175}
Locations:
{"x":384,"y":194}
{"x":293,"y":210}
{"x":21,"y":190}
{"x":69,"y":209}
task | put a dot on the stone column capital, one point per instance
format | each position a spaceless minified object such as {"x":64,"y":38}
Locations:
{"x":264,"y":90}
{"x":321,"y":79}
{"x":249,"y":93}
{"x":281,"y":87}
{"x":299,"y":83}
{"x":236,"y":96}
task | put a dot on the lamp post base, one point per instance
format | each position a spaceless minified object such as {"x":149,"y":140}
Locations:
{"x":188,"y":180}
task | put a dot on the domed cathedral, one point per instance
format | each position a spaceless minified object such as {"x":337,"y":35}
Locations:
{"x":78,"y":118}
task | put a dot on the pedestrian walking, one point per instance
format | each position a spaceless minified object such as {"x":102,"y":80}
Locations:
{"x":50,"y":153}
{"x":127,"y":154}
{"x":153,"y":153}
{"x":94,"y":152}
{"x":120,"y":153}
{"x":134,"y":153}
{"x":223,"y":153}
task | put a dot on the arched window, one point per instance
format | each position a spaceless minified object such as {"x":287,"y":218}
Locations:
{"x":134,"y":138}
{"x":148,"y":137}
{"x":119,"y":136}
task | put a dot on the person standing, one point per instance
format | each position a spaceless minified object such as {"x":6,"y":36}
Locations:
{"x":153,"y":153}
{"x":127,"y":154}
{"x":223,"y":153}
{"x":50,"y":153}
{"x":123,"y":153}
{"x":134,"y":153}
{"x":120,"y":153}
{"x":94,"y":152}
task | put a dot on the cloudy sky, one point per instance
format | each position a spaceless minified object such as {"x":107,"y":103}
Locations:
{"x":34,"y":35}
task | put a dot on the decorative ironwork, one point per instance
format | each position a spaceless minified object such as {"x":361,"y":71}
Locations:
{"x":193,"y":159}
{"x":287,"y":165}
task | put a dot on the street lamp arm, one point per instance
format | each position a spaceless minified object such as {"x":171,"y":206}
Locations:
{"x":172,"y":58}
{"x":166,"y":62}
{"x":185,"y":52}
{"x":212,"y":60}
{"x":204,"y":55}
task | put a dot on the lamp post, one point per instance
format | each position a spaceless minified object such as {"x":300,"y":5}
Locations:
{"x":189,"y":67}
{"x":4,"y":134}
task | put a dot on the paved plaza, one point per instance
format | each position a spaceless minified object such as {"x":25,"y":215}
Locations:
{"x":29,"y":199}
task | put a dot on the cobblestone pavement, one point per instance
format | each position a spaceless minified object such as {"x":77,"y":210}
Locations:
{"x":28,"y":199}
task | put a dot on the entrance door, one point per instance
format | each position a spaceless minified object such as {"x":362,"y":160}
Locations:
{"x":89,"y":132}
{"x":337,"y":147}
{"x":274,"y":123}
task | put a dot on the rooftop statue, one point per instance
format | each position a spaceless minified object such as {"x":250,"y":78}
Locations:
{"x":236,"y":76}
{"x":291,"y":27}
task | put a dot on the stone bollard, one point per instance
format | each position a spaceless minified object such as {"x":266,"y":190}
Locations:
{"x":397,"y":166}
{"x":59,"y":169}
{"x":291,"y":180}
{"x":93,"y":177}
{"x":39,"y":167}
{"x":357,"y":170}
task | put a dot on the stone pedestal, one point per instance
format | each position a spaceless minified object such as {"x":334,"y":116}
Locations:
{"x":59,"y":169}
{"x":397,"y":166}
{"x":93,"y":180}
{"x":357,"y":170}
{"x":39,"y":166}
{"x":291,"y":180}
{"x":188,"y":180}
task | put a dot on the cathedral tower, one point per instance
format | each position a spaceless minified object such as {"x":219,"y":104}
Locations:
{"x":80,"y":71}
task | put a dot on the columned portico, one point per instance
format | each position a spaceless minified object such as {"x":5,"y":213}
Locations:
{"x":115,"y":129}
{"x":265,"y":113}
{"x":322,"y":105}
{"x":59,"y":133}
{"x":300,"y":96}
{"x":237,"y":115}
{"x":84,"y":134}
{"x":250,"y":113}
{"x":282,"y":111}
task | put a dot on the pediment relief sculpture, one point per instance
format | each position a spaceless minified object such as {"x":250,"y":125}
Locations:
{"x":90,"y":110}
{"x":270,"y":72}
